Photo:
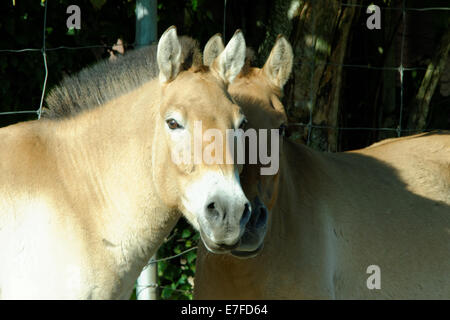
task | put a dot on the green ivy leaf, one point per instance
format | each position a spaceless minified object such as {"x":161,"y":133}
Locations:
{"x":186,"y":233}
{"x":166,"y":293}
{"x":196,"y":236}
{"x":190,"y":256}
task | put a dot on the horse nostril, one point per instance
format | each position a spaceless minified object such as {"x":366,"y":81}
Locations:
{"x":246,"y":215}
{"x":212,"y":211}
{"x":261,"y":220}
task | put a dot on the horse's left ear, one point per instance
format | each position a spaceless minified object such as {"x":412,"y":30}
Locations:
{"x":231,"y":60}
{"x":278,"y":66}
{"x":213,"y":48}
{"x":169,"y":55}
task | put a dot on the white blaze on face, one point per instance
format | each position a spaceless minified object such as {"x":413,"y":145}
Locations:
{"x":214,"y":186}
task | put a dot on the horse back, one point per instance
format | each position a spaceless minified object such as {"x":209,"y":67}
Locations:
{"x":421,"y":161}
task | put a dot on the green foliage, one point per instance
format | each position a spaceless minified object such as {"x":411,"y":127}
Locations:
{"x":176,"y":275}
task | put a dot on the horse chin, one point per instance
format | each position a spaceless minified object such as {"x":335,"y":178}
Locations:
{"x":247,"y":254}
{"x":215,"y":248}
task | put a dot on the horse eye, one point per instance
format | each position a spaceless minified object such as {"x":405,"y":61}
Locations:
{"x":172,"y":124}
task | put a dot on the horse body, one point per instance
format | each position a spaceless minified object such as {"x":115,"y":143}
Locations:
{"x":87,"y":199}
{"x":337,"y":214}
{"x":334,"y":216}
{"x":81,"y":187}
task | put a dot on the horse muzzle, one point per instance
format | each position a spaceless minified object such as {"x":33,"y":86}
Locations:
{"x":252,"y":241}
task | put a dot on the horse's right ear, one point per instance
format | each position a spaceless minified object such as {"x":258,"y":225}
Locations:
{"x":169,"y":55}
{"x":213,"y":48}
{"x":231,"y":60}
{"x":278,"y":66}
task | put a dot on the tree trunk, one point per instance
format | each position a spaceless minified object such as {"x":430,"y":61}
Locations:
{"x":319,"y":32}
{"x":421,"y":102}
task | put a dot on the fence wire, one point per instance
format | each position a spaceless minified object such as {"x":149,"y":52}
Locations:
{"x":400,"y":69}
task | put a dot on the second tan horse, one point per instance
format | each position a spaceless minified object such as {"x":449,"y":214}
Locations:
{"x":368,"y":224}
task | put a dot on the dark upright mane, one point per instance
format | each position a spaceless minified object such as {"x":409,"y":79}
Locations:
{"x":107,"y":80}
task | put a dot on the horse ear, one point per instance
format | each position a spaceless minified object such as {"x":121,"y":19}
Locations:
{"x":169,"y":55}
{"x":278,"y":66}
{"x":213,"y":48}
{"x":231,"y":60}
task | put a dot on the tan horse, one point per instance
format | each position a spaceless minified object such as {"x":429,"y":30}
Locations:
{"x":368,"y":224}
{"x":88,"y":197}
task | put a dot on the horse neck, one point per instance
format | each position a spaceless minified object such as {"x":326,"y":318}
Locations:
{"x":289,"y":228}
{"x":107,"y":152}
{"x":300,"y":187}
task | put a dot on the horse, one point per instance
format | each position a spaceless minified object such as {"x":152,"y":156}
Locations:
{"x":90,"y":191}
{"x":372,"y":223}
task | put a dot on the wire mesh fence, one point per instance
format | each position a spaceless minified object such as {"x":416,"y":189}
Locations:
{"x":400,"y":69}
{"x":302,"y":60}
